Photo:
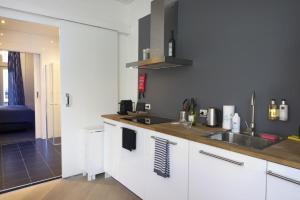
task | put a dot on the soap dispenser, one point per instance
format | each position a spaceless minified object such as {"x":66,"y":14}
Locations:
{"x":273,"y":110}
{"x":283,"y":111}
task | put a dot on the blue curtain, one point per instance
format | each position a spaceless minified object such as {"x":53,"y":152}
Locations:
{"x":15,"y":80}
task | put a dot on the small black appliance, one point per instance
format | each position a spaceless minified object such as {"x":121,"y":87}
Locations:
{"x":125,"y":106}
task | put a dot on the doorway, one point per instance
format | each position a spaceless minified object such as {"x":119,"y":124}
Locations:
{"x":37,"y":157}
{"x":17,"y":117}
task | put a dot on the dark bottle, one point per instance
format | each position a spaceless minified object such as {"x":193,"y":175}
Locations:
{"x":171,"y":45}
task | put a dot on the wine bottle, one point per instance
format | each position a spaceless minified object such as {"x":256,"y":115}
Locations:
{"x":171,"y":45}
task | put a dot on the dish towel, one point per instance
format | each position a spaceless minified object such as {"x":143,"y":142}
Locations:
{"x":128,"y":139}
{"x":162,"y":157}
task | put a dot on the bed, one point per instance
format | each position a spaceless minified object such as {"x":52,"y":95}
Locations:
{"x":14,"y":118}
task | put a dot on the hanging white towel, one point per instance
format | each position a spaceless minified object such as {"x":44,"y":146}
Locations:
{"x":162,"y":157}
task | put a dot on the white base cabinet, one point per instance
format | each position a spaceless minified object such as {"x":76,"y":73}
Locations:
{"x":134,"y":169}
{"x":216,"y":174}
{"x":131,"y":165}
{"x":197,"y":171}
{"x":282,"y":182}
{"x":112,"y":147}
{"x":176,"y":186}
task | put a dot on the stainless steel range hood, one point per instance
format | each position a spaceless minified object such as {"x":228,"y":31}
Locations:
{"x":164,"y":15}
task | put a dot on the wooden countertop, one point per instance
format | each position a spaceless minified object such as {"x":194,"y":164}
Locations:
{"x":286,"y":152}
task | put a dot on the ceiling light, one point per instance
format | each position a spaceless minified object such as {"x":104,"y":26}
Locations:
{"x":52,"y":42}
{"x":2,"y":21}
{"x":1,"y":34}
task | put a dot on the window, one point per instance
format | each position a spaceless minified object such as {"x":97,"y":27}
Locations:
{"x":4,"y":56}
{"x":4,"y":78}
{"x":5,"y":85}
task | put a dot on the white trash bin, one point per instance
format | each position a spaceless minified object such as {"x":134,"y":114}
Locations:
{"x":92,"y":155}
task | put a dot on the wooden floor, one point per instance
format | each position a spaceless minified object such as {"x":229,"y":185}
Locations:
{"x":72,"y":189}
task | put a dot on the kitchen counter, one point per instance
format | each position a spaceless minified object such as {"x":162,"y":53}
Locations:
{"x":285,"y":153}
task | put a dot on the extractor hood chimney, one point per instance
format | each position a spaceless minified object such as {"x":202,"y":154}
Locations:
{"x":164,"y":16}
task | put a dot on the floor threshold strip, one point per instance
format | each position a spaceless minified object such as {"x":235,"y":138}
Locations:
{"x":29,"y":184}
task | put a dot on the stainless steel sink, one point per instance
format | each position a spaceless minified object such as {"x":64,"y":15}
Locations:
{"x":242,"y":140}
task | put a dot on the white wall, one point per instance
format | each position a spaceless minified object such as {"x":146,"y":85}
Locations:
{"x":128,"y":50}
{"x":105,"y":13}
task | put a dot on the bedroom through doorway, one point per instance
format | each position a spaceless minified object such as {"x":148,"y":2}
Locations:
{"x":30,"y":150}
{"x":17,"y":116}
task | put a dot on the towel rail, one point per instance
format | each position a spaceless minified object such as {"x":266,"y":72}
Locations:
{"x":173,"y":143}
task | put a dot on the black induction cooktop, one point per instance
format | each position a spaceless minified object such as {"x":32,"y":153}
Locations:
{"x":148,"y":120}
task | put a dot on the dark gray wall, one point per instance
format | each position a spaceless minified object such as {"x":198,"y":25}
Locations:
{"x":237,"y":46}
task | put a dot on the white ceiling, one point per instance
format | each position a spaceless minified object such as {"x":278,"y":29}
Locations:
{"x":125,"y":1}
{"x":28,"y":27}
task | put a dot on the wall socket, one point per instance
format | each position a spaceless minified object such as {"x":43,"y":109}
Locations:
{"x":148,"y":106}
{"x":203,"y":113}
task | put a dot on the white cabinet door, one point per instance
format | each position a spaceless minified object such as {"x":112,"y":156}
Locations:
{"x":112,"y":147}
{"x":216,"y":174}
{"x":131,"y":165}
{"x":282,"y":182}
{"x":176,"y":186}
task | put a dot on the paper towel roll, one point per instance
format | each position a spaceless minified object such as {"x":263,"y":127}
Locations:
{"x":228,"y":112}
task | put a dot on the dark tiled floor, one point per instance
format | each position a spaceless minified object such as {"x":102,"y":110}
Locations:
{"x":17,"y":136}
{"x":28,"y":162}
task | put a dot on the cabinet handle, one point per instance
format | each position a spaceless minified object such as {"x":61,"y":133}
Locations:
{"x":283,"y":177}
{"x":109,"y":124}
{"x":221,"y":158}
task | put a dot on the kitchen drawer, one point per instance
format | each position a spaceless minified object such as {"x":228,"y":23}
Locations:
{"x":215,"y":174}
{"x":284,"y":171}
{"x":282,"y":182}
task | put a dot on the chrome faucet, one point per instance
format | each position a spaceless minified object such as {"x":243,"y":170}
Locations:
{"x":251,"y":130}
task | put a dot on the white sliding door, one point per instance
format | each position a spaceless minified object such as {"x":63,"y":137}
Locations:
{"x":89,"y":73}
